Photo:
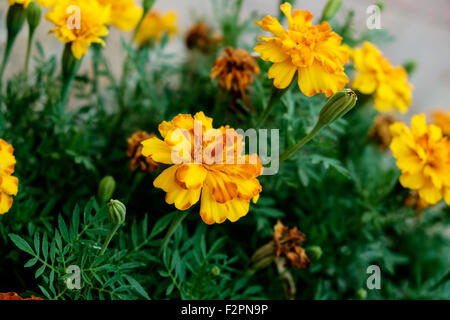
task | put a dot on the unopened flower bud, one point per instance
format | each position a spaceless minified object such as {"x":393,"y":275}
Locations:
{"x":361,"y":294}
{"x":314,"y":252}
{"x":15,"y":19}
{"x":410,"y":66}
{"x":215,"y":271}
{"x":117,"y":212}
{"x":330,"y":9}
{"x":106,"y":189}
{"x":33,"y":15}
{"x":337,"y":106}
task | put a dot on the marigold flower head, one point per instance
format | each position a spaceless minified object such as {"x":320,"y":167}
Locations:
{"x":125,"y":14}
{"x":442,"y":120}
{"x":314,"y":51}
{"x":235,"y":70}
{"x":423,"y":156}
{"x":376,"y":75}
{"x":380,"y":131}
{"x":25,"y":3}
{"x":9,"y":185}
{"x":15,"y":296}
{"x":207,"y":165}
{"x":80,"y":28}
{"x":155,"y":25}
{"x":201,"y":36}
{"x":134,"y":151}
{"x":288,"y":244}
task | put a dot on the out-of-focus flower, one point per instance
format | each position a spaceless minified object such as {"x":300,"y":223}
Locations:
{"x":134,"y":152}
{"x":442,"y":120}
{"x":380,"y":131}
{"x":15,"y":296}
{"x":206,"y":163}
{"x":288,"y":244}
{"x":81,"y":27}
{"x":201,"y":36}
{"x":9,"y":185}
{"x":376,"y":75}
{"x":25,"y":3}
{"x":414,"y":200}
{"x":155,"y":25}
{"x":235,"y":70}
{"x":315,"y":52}
{"x":125,"y":14}
{"x":423,"y":156}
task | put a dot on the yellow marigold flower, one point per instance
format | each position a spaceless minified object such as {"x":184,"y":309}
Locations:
{"x":80,"y":28}
{"x":423,"y":156}
{"x":375,"y":74}
{"x":155,"y":25}
{"x":134,"y":152}
{"x":223,"y":187}
{"x":235,"y":70}
{"x":25,"y":3}
{"x":125,"y":14}
{"x":442,"y":120}
{"x":9,"y":185}
{"x":314,"y":51}
{"x":15,"y":296}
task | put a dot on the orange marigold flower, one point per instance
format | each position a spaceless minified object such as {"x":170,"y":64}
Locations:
{"x":376,"y":75}
{"x":315,"y":52}
{"x":235,"y":70}
{"x":380,"y":131}
{"x":9,"y":185}
{"x":442,"y":120}
{"x":207,"y":165}
{"x":134,"y":151}
{"x":15,"y":296}
{"x":288,"y":244}
{"x":201,"y":36}
{"x":423,"y":156}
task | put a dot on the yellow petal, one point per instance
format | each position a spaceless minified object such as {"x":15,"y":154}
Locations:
{"x":192,"y":175}
{"x":412,"y":181}
{"x":9,"y":185}
{"x":282,"y":73}
{"x":315,"y":79}
{"x":272,"y":25}
{"x":5,"y":202}
{"x":430,"y":193}
{"x":158,"y":150}
{"x":271,"y":51}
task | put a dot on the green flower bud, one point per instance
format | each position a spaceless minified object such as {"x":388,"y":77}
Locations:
{"x":33,"y":15}
{"x":361,"y":294}
{"x":148,"y":4}
{"x":215,"y":271}
{"x":15,"y":19}
{"x":106,"y":189}
{"x":337,"y":106}
{"x":330,"y":9}
{"x":314,"y":252}
{"x":117,"y":212}
{"x":381,"y":5}
{"x":410,"y":66}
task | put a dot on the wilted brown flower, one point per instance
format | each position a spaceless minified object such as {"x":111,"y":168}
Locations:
{"x":235,"y":70}
{"x":134,"y":151}
{"x":15,"y":296}
{"x":380,"y":131}
{"x":201,"y":36}
{"x":288,"y":244}
{"x":442,"y":120}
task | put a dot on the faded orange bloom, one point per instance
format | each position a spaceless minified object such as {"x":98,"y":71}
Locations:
{"x":201,"y":36}
{"x":235,"y":70}
{"x":134,"y":151}
{"x":288,"y":244}
{"x":15,"y":296}
{"x":442,"y":120}
{"x":380,"y":131}
{"x":413,"y":200}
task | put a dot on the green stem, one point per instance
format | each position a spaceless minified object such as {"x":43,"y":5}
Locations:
{"x":29,"y":46}
{"x":173,"y":226}
{"x":275,"y":96}
{"x":111,"y":234}
{"x":9,"y":46}
{"x":301,"y":143}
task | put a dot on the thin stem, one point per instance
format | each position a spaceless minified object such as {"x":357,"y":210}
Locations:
{"x":174,"y":225}
{"x":29,"y":46}
{"x":108,"y":239}
{"x":301,"y":143}
{"x":275,"y":96}
{"x":9,"y":45}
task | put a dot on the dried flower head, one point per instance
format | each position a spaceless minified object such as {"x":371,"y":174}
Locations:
{"x":235,"y":70}
{"x":201,"y":36}
{"x":288,"y":244}
{"x":380,"y":131}
{"x":15,"y":296}
{"x":134,"y":152}
{"x":442,"y":120}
